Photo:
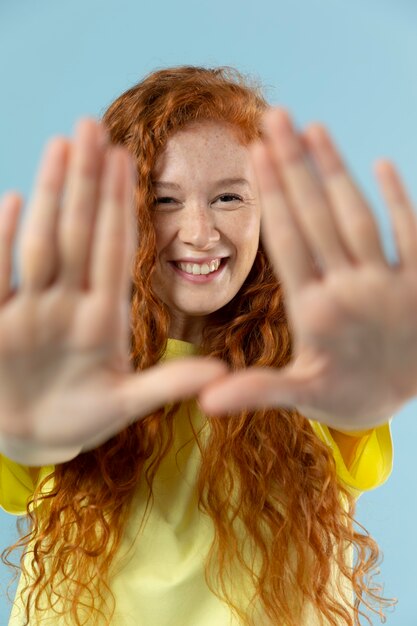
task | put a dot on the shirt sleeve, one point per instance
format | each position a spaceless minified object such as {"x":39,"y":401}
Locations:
{"x":18,"y":483}
{"x":372,"y":461}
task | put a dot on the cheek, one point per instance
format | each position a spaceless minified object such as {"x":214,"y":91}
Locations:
{"x":163,"y":232}
{"x":247,"y":231}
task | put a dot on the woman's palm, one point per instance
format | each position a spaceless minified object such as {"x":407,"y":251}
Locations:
{"x":66,"y":380}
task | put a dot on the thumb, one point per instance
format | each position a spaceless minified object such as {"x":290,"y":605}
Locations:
{"x":254,"y":388}
{"x":180,"y":379}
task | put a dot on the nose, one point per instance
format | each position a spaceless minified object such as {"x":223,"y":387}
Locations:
{"x":198,"y":227}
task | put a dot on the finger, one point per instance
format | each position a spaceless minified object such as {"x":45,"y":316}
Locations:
{"x":250,"y":389}
{"x":284,"y":240}
{"x":402,"y":214}
{"x":112,"y":236}
{"x":10,"y":209}
{"x":170,"y":382}
{"x":38,"y":256}
{"x":76,"y":227}
{"x":354,"y":217}
{"x":305,"y":193}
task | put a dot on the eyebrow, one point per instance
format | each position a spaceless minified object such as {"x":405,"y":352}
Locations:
{"x":217,"y":183}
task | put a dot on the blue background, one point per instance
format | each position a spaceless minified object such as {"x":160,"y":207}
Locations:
{"x":350,"y":65}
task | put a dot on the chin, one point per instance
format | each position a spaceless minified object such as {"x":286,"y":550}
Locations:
{"x":198,"y":312}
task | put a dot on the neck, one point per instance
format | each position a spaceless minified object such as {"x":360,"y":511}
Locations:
{"x":190,"y":329}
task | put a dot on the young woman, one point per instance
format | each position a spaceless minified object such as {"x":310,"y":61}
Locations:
{"x":161,"y":485}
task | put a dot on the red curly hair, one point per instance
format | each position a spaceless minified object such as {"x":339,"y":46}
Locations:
{"x":266,"y":468}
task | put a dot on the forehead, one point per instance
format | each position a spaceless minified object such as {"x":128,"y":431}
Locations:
{"x":210,"y":129}
{"x":204,"y":144}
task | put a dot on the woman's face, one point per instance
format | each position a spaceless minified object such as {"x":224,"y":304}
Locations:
{"x":204,"y":222}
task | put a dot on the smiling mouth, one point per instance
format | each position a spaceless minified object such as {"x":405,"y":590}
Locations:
{"x":187,"y":270}
{"x":197,"y":269}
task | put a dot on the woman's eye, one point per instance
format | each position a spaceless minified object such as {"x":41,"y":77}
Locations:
{"x":230,"y":195}
{"x":160,"y":200}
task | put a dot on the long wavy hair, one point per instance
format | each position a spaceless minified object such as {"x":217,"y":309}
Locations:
{"x":265,"y":470}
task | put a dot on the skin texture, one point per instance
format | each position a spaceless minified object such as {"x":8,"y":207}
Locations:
{"x":198,"y":220}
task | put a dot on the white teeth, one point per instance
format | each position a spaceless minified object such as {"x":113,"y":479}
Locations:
{"x":196,"y":269}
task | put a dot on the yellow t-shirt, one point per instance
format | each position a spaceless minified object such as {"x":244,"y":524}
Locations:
{"x":162,"y":580}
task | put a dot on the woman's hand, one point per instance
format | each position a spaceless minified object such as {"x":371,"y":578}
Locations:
{"x":66,"y":380}
{"x":353,"y":316}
